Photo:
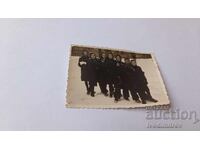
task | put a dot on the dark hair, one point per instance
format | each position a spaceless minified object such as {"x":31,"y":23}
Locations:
{"x":110,"y":54}
{"x":100,"y":55}
{"x":119,"y":56}
{"x":127,"y":58}
{"x":91,"y":54}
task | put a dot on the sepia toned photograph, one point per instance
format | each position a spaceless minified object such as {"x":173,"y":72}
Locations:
{"x":113,"y":78}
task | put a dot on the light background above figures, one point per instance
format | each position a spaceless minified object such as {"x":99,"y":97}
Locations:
{"x":34,"y":62}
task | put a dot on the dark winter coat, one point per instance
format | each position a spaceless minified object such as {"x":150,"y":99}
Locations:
{"x":102,"y":70}
{"x":92,"y":70}
{"x":137,"y":79}
{"x":118,"y":72}
{"x":126,"y":76}
{"x":110,"y":68}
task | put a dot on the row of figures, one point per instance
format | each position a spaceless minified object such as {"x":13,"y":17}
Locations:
{"x":122,"y":78}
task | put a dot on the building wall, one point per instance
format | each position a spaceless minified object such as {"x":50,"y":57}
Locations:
{"x":78,"y":50}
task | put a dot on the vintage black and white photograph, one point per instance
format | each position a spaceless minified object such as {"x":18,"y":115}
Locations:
{"x":113,"y":78}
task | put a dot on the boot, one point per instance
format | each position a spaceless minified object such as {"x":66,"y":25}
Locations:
{"x":144,"y":102}
{"x":153,"y":100}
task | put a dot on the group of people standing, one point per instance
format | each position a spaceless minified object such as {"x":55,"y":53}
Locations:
{"x":122,"y":78}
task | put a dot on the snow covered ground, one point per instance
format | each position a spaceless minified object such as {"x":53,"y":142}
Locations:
{"x":77,"y":97}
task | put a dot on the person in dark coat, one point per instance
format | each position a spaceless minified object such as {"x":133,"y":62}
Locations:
{"x":110,"y":64}
{"x":126,"y":73}
{"x":83,"y":60}
{"x":133,"y":82}
{"x":92,"y":73}
{"x":141,"y":84}
{"x":102,"y":74}
{"x":117,"y":78}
